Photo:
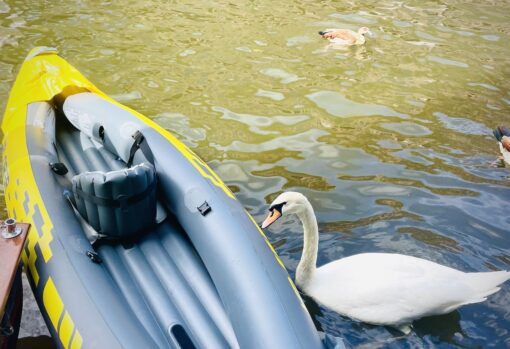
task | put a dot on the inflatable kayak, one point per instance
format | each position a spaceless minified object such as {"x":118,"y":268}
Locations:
{"x":135,"y":241}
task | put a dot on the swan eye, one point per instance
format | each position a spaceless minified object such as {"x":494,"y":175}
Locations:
{"x":277,"y":207}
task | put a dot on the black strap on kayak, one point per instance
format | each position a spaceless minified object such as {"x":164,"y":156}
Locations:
{"x":123,"y":201}
{"x":92,"y":235}
{"x":140,"y":143}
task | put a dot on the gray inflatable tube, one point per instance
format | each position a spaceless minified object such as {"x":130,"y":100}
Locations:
{"x":177,"y":262}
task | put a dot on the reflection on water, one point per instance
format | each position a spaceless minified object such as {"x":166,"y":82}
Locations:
{"x":337,"y":105}
{"x":390,"y":141}
{"x":431,"y":238}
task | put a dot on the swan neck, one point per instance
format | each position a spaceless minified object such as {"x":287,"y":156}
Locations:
{"x":308,"y":262}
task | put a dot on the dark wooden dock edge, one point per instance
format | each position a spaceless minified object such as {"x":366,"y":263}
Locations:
{"x":10,"y":286}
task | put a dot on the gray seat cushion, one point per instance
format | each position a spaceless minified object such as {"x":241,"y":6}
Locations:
{"x":117,"y":203}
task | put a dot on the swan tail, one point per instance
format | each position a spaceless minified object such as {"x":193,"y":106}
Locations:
{"x":482,"y":285}
{"x":485,"y":284}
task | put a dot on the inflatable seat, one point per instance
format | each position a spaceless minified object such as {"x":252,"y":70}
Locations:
{"x":118,"y":203}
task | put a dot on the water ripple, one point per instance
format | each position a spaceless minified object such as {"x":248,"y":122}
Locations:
{"x":338,"y":105}
{"x":462,"y":125}
{"x":275,"y":96}
{"x":446,"y":61}
{"x":285,"y":77}
{"x":256,"y":122}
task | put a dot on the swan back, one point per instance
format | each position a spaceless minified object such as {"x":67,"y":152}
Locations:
{"x":395,"y":289}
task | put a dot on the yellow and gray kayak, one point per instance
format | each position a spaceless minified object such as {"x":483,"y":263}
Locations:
{"x":135,"y":242}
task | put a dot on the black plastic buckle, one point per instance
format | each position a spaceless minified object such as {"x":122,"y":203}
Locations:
{"x":204,"y":208}
{"x":59,"y":168}
{"x":94,"y":257}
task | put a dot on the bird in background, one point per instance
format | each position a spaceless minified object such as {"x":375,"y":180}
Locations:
{"x":502,"y":134}
{"x":346,"y":37}
{"x":380,"y":288}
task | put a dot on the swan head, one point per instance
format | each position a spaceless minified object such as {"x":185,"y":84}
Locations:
{"x":285,"y":203}
{"x":364,"y":30}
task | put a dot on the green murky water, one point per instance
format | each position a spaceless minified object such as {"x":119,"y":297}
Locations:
{"x":390,"y":141}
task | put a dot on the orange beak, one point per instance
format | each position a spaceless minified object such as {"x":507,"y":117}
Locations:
{"x":273,"y":215}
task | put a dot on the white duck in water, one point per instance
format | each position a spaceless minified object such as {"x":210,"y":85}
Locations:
{"x":380,"y":288}
{"x":345,"y":36}
{"x":502,"y":134}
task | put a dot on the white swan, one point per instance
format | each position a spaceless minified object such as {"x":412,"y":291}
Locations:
{"x":380,"y":288}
